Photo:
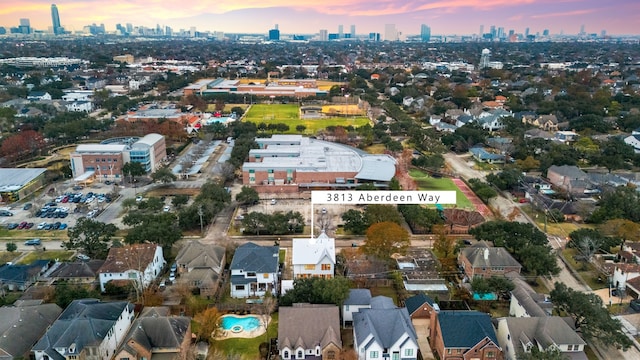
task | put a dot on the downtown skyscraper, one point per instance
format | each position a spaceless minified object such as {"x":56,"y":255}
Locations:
{"x":55,"y":19}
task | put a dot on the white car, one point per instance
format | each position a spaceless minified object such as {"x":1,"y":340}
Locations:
{"x":166,"y":208}
{"x":138,"y":198}
{"x":41,"y":225}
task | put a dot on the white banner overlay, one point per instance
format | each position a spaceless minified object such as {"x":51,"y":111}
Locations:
{"x":383,"y":197}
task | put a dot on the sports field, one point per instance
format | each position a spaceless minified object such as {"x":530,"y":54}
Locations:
{"x":426,"y":182}
{"x":324,"y":85}
{"x":289,"y":114}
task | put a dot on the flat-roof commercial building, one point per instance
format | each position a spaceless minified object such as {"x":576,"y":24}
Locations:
{"x":104,"y":161}
{"x":290,"y":163}
{"x":16,"y":184}
{"x":298,"y":88}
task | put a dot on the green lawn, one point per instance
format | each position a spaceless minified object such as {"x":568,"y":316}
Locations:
{"x":61,"y":255}
{"x":247,"y":349}
{"x":426,"y":182}
{"x":289,"y":114}
{"x":6,"y":256}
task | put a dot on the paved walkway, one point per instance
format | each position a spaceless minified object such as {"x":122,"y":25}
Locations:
{"x":422,"y":330}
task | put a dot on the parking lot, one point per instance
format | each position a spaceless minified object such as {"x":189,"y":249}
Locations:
{"x":55,"y":210}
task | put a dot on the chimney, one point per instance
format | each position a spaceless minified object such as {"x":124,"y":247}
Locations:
{"x":486,"y":254}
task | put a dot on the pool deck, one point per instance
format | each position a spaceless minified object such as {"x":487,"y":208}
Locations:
{"x":226,"y":334}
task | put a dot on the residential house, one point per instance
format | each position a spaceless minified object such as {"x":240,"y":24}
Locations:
{"x":20,"y":277}
{"x":87,"y":329}
{"x":309,"y":331}
{"x":570,"y":178}
{"x":464,"y":335}
{"x":565,"y":136}
{"x":255,"y":270}
{"x":201,"y":266}
{"x":485,"y":261}
{"x":482,"y":155}
{"x":314,"y":257}
{"x":621,"y":273}
{"x":38,"y":95}
{"x":80,"y":106}
{"x":384,"y":332}
{"x":155,"y":334}
{"x":421,"y":306}
{"x":357,"y":299}
{"x":538,"y":134}
{"x":633,"y":140}
{"x":525,"y":302}
{"x":138,"y":263}
{"x":545,"y":122}
{"x":445,"y":127}
{"x":22,"y":326}
{"x":78,"y":272}
{"x":520,"y":335}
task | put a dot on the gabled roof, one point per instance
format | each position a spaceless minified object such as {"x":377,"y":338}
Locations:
{"x":386,"y":325}
{"x":256,"y":258}
{"x":311,"y":251}
{"x":78,"y":269}
{"x":481,"y":255}
{"x":358,"y":297}
{"x":198,"y":255}
{"x":84,"y":322}
{"x":160,"y":333}
{"x":542,"y":331}
{"x":570,"y":171}
{"x":131,"y":257}
{"x":533,"y":303}
{"x":22,"y":326}
{"x":20,"y":274}
{"x":294,"y":330}
{"x":465,"y":329}
{"x":417,"y":301}
{"x":382,"y":302}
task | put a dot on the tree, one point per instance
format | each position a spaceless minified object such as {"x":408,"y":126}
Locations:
{"x":589,"y":316}
{"x":624,"y":229}
{"x":133,"y":169}
{"x":11,"y":247}
{"x":208,"y":324}
{"x":355,"y":222}
{"x":386,"y":238}
{"x":160,"y":228}
{"x":179,"y":201}
{"x":315,"y":290}
{"x":164,"y":175}
{"x":248,"y":196}
{"x":91,"y":236}
{"x":301,"y":128}
{"x":382,"y":213}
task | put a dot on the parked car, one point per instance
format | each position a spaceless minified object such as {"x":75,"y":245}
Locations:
{"x":41,"y":226}
{"x":32,"y":242}
{"x":22,"y":225}
{"x":83,"y":257}
{"x":29,"y":225}
{"x":139,"y":198}
{"x":63,"y":226}
{"x":27,"y":206}
{"x":6,"y":213}
{"x":166,"y":208}
{"x":12,"y":226}
{"x":635,"y":304}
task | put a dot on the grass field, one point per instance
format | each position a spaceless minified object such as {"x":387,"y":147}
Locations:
{"x":247,"y":349}
{"x":289,"y":114}
{"x":60,"y":255}
{"x":227,"y":107}
{"x":426,"y":182}
{"x":6,"y":256}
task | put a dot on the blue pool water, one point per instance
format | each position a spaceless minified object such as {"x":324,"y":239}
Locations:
{"x":237,"y":324}
{"x":487,"y":296}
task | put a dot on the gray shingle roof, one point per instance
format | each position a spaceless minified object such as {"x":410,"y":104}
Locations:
{"x":79,"y":269}
{"x":198,"y":255}
{"x":570,"y":171}
{"x":156,"y":332}
{"x":358,"y":297}
{"x":382,"y":302}
{"x":481,"y":255}
{"x":256,"y":258}
{"x":386,"y":325}
{"x":84,"y":322}
{"x":294,"y":326}
{"x":542,"y":331}
{"x":21,"y":327}
{"x":464,"y":329}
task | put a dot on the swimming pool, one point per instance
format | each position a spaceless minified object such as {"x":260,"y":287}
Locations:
{"x":237,"y":324}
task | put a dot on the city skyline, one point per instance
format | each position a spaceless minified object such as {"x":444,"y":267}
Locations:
{"x":459,"y":17}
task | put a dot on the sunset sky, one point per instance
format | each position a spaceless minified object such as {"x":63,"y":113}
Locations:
{"x":308,"y":16}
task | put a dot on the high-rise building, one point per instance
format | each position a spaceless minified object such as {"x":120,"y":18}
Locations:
{"x":55,"y":19}
{"x":340,"y":32}
{"x":526,"y":32}
{"x":481,"y":34}
{"x":425,"y":33}
{"x":323,"y":35}
{"x":25,"y":26}
{"x":353,"y":31}
{"x":390,"y":32}
{"x":545,"y":32}
{"x":274,"y":34}
{"x":485,"y":56}
{"x":373,"y":36}
{"x":582,"y":32}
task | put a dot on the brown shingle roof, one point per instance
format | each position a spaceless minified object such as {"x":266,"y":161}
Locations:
{"x":137,"y":256}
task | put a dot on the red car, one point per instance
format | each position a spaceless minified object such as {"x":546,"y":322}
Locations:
{"x":22,"y":225}
{"x":29,"y":225}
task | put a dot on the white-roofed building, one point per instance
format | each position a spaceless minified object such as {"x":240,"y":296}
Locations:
{"x":16,"y":184}
{"x":105,"y":160}
{"x":288,"y":163}
{"x":314,"y":257}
